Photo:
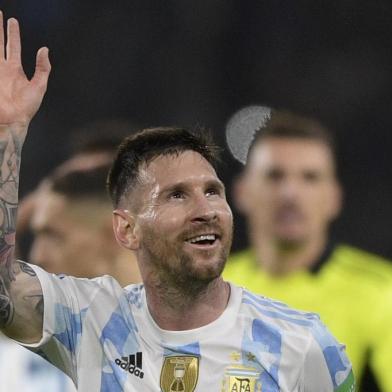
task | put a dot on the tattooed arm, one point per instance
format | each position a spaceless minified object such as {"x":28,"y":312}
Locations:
{"x":21,"y":303}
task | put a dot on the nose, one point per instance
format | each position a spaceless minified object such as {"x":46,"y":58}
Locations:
{"x":289,"y":189}
{"x":204,"y":210}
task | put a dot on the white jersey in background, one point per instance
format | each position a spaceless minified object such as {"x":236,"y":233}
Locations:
{"x":104,"y":337}
{"x":23,"y":371}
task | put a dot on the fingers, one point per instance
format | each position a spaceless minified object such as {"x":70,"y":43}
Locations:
{"x":13,"y":41}
{"x":13,"y":52}
{"x":42,"y":68}
{"x":2,"y":53}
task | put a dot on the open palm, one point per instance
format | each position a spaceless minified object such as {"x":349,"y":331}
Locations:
{"x":20,"y":98}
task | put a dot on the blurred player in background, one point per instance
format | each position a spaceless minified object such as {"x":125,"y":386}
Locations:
{"x":90,"y":145}
{"x":72,"y":228}
{"x":289,"y":193}
{"x":70,"y":217}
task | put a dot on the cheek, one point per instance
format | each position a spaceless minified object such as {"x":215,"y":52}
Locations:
{"x":227,"y":214}
{"x":163,"y":221}
{"x":149,"y":213}
{"x":263,"y":195}
{"x":81,"y":243}
{"x":317,"y":199}
{"x":319,"y":206}
{"x":263,"y":201}
{"x":73,"y":250}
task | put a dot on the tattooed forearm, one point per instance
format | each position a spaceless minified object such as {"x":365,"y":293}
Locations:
{"x":10,"y":150}
{"x":20,"y":98}
{"x":10,"y":155}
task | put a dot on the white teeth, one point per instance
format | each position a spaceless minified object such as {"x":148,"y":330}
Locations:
{"x":206,"y":237}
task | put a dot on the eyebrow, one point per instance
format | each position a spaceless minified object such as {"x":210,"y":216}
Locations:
{"x":218,"y":183}
{"x":184,"y":185}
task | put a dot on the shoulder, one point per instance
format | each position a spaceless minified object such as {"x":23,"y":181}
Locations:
{"x":363,"y":265}
{"x":326,"y":364}
{"x":301,"y":335}
{"x":263,"y":311}
{"x":65,"y":289}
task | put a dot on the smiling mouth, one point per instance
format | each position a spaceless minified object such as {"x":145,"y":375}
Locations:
{"x":203,"y":240}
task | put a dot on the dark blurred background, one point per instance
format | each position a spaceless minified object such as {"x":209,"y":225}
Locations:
{"x":196,"y":62}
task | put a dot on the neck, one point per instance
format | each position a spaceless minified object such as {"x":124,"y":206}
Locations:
{"x":174,"y":308}
{"x":282,"y":259}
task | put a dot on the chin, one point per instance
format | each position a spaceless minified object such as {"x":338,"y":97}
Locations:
{"x":206,"y":270}
{"x":209,"y":274}
{"x":290,"y":240}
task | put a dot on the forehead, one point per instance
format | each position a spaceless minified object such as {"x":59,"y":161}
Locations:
{"x":288,"y":152}
{"x":53,"y":209}
{"x":49,"y":207}
{"x":184,"y":167}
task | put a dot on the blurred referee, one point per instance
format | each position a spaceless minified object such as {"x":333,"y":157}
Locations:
{"x":290,"y":194}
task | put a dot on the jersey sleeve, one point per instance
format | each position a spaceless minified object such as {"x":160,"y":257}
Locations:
{"x":66,"y":302}
{"x":326,"y":366}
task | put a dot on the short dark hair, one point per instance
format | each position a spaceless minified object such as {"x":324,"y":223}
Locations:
{"x":146,"y":145}
{"x":283,"y":123}
{"x":81,"y":184}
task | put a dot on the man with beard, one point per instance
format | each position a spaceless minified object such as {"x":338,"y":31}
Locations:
{"x":185,"y":329}
{"x":289,"y":193}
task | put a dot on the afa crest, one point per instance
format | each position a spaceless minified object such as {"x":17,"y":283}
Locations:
{"x":240,"y":378}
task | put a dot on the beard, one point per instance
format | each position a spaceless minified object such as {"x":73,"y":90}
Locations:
{"x":174,"y":268}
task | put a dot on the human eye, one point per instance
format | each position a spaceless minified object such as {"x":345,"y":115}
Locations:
{"x":311,"y":176}
{"x":274,"y":175}
{"x":214,"y":191}
{"x":177,"y":194}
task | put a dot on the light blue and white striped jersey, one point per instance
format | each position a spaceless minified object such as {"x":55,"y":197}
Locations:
{"x":104,"y":337}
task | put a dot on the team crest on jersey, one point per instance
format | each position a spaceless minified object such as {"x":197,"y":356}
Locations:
{"x":180,"y":373}
{"x":240,"y":378}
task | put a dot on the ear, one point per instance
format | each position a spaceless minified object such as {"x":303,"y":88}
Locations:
{"x":124,"y":227}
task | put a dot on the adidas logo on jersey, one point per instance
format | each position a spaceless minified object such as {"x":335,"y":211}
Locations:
{"x":132,"y":364}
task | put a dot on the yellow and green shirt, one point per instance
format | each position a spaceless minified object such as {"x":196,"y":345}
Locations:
{"x":350,"y":289}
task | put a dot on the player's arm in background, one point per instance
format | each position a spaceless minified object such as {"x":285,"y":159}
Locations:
{"x":21,"y":300}
{"x":326,"y":366}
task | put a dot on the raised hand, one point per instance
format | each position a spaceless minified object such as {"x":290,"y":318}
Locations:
{"x":20,"y":98}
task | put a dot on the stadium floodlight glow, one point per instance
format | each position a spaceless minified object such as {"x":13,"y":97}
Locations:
{"x":242,"y":127}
